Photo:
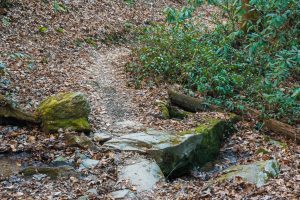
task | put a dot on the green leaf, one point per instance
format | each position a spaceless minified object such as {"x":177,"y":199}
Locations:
{"x":43,"y":29}
{"x":296,"y":94}
{"x":60,"y":30}
{"x":58,"y":7}
{"x":5,"y":21}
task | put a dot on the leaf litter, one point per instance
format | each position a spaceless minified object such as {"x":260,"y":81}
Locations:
{"x":84,"y":46}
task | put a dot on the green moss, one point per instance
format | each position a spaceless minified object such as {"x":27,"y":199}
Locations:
{"x":275,"y":142}
{"x":202,"y":128}
{"x":176,"y":113}
{"x":261,"y":150}
{"x":63,"y":104}
{"x":164,"y":110}
{"x":207,"y":125}
{"x":52,"y":172}
{"x":175,"y":141}
{"x":167,"y":111}
{"x":2,"y":72}
{"x":80,"y":124}
{"x":257,"y":173}
{"x":64,"y":110}
{"x":201,"y":145}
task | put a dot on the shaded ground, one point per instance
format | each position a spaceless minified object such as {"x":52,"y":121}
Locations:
{"x":89,"y":56}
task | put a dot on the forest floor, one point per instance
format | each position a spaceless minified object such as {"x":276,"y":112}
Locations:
{"x":86,"y":49}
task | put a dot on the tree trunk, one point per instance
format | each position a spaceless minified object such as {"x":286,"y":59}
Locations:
{"x":191,"y":104}
{"x":282,"y":128}
{"x":249,"y":15}
{"x":186,"y":102}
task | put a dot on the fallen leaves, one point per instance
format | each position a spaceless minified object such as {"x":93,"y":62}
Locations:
{"x":63,"y":58}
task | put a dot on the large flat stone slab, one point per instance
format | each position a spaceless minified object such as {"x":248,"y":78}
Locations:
{"x":142,"y":141}
{"x":141,"y":173}
{"x":176,"y":153}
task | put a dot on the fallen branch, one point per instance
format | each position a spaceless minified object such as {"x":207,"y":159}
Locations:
{"x":276,"y":126}
{"x":282,"y":128}
{"x":189,"y":103}
{"x":192,"y":104}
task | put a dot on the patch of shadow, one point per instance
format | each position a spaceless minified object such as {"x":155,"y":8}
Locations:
{"x":225,"y":159}
{"x":12,"y":163}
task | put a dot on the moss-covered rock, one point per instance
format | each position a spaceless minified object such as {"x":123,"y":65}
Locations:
{"x":1,"y":72}
{"x":256,"y":173}
{"x":10,"y":114}
{"x":66,"y":111}
{"x":167,"y":111}
{"x":177,"y":113}
{"x":192,"y":147}
{"x":80,"y":141}
{"x":176,"y":153}
{"x":52,"y":172}
{"x":163,"y":108}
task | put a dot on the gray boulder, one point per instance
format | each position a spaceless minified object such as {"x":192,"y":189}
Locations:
{"x":176,"y":153}
{"x":123,"y":194}
{"x":141,"y":173}
{"x":256,"y":173}
{"x":10,"y":114}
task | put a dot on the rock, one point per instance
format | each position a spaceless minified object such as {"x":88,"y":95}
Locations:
{"x":275,"y":142}
{"x":52,"y":172}
{"x":39,"y":176}
{"x":141,"y":173}
{"x":91,"y":178}
{"x":101,"y":137}
{"x":256,"y":173}
{"x":141,"y":141}
{"x":9,"y":114}
{"x":278,"y":144}
{"x":177,"y":153}
{"x":127,"y":126}
{"x":85,"y":197}
{"x":60,"y":161}
{"x":79,"y":155}
{"x":81,"y":141}
{"x":123,"y":194}
{"x":92,"y":191}
{"x":178,"y":113}
{"x":167,"y":111}
{"x":65,"y":110}
{"x":88,"y":163}
{"x":163,"y":108}
{"x":2,"y":69}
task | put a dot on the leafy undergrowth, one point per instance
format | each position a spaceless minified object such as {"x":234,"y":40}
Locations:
{"x":232,"y":64}
{"x":45,"y":48}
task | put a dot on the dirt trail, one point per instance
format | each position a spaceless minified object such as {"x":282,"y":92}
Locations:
{"x":109,"y":82}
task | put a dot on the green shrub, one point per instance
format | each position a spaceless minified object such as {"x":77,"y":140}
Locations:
{"x":227,"y":65}
{"x":5,"y":3}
